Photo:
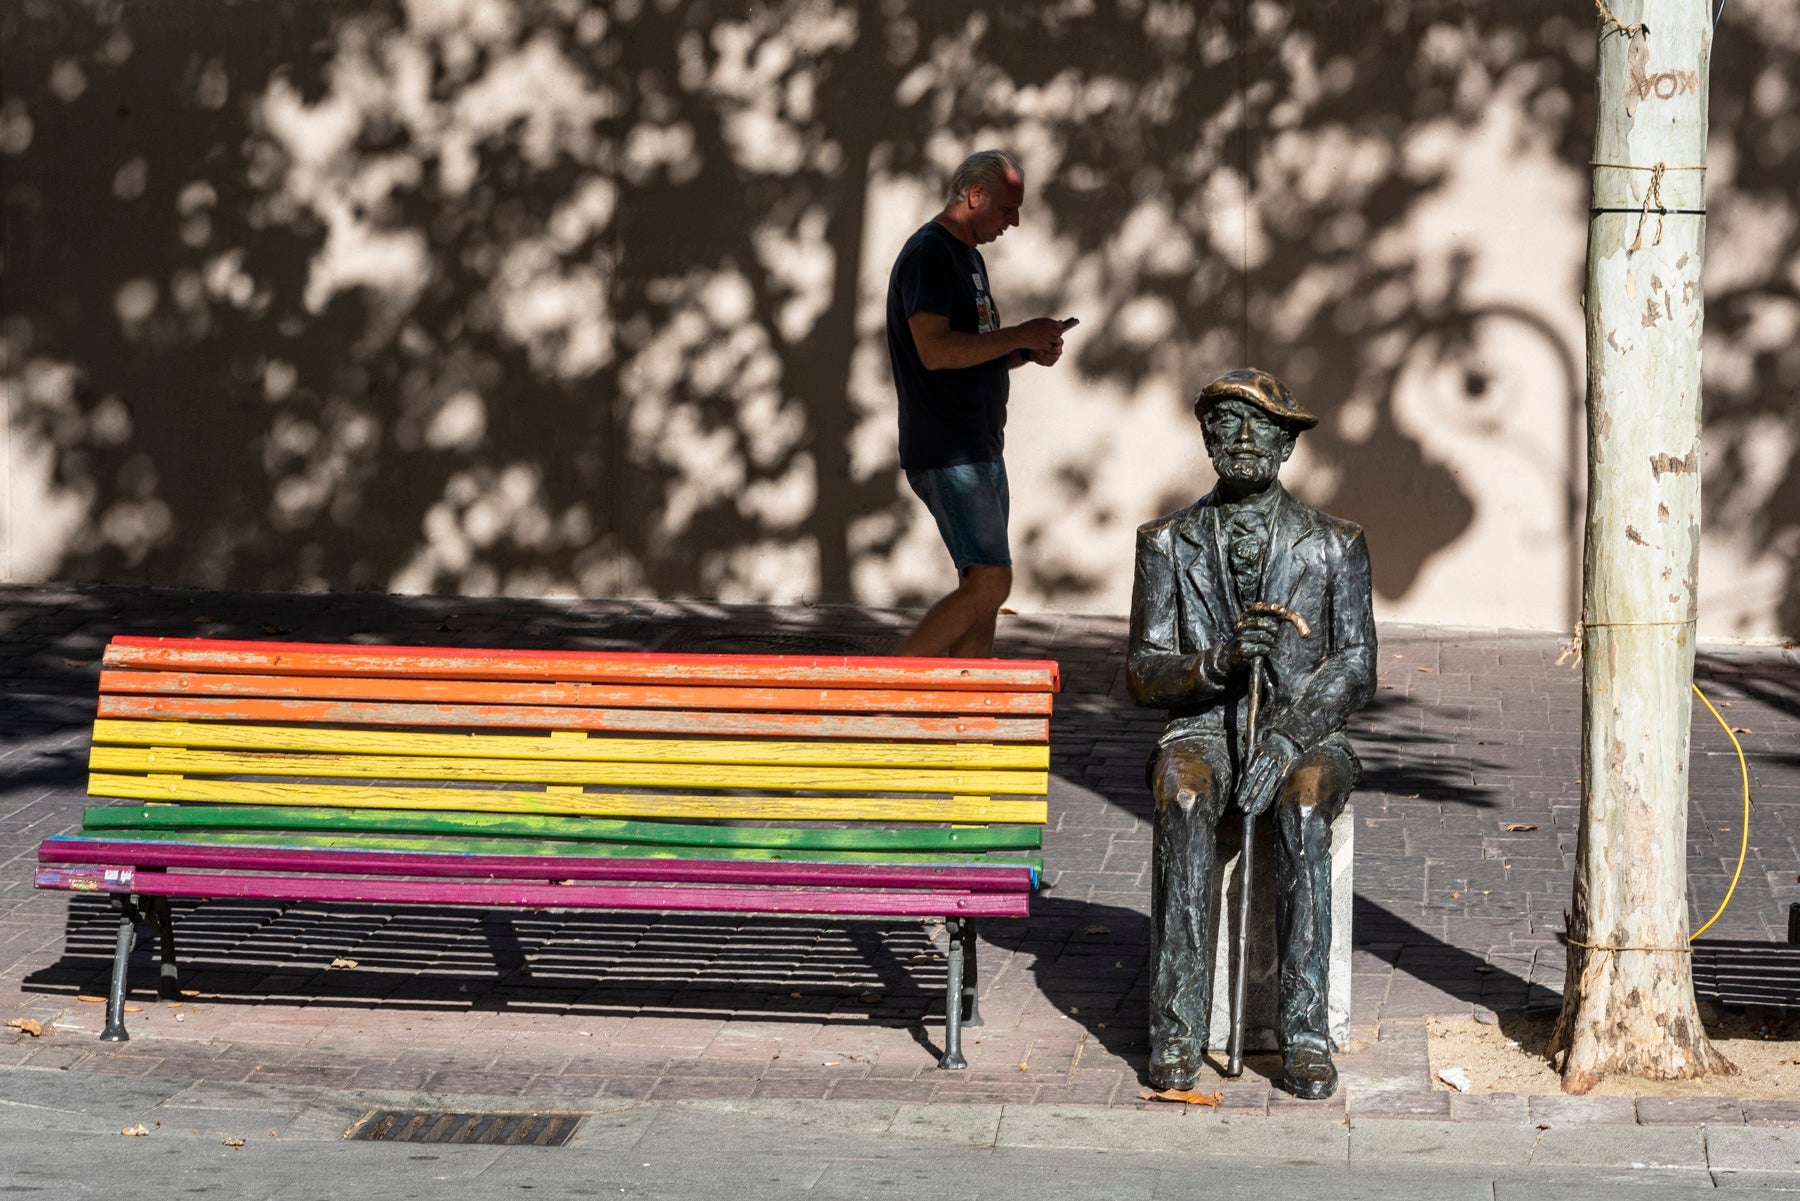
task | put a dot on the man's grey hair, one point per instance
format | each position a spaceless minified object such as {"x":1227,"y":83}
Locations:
{"x":984,"y":168}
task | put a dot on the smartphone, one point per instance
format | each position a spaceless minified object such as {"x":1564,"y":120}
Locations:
{"x":1071,"y":322}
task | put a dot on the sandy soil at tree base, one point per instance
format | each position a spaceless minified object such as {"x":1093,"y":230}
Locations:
{"x":1508,"y":1057}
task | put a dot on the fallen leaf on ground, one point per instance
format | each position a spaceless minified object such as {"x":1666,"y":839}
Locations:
{"x":1096,"y":928}
{"x":190,"y":992}
{"x":30,"y":1026}
{"x":344,"y":964}
{"x":871,"y":998}
{"x":1456,"y":1078}
{"x":1183,"y":1096}
{"x":136,"y":1131}
{"x":204,"y":619}
{"x":1517,"y":828}
{"x":234,"y":1142}
{"x":91,"y":1000}
{"x":1741,"y":730}
{"x":134,"y":1009}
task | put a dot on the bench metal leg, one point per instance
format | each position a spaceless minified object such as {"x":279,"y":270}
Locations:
{"x":115,"y":997}
{"x":971,"y":982}
{"x":959,"y":934}
{"x":168,"y":985}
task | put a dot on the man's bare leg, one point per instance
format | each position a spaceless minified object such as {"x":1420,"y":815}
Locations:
{"x":962,"y":624}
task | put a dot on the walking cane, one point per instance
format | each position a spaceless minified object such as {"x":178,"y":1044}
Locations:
{"x":1234,"y":1062}
{"x":1234,"y":1055}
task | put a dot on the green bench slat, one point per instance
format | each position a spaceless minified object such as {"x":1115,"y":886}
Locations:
{"x":593,"y":850}
{"x":114,"y":818}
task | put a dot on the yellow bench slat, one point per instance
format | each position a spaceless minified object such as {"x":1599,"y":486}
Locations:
{"x":180,"y":761}
{"x":226,"y":736}
{"x":961,"y":810}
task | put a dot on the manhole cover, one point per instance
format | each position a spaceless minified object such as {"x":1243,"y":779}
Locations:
{"x":780,"y":642}
{"x":494,"y":1129}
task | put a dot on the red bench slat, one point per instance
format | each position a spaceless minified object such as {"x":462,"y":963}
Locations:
{"x":286,"y":658}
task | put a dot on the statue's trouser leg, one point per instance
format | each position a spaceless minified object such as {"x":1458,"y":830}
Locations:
{"x":1184,"y":862}
{"x":1311,"y":797}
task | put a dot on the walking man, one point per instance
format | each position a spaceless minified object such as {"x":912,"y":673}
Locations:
{"x":1246,"y":574}
{"x":950,"y":357}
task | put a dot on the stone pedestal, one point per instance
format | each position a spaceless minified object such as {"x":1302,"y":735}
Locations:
{"x":1259,"y":1022}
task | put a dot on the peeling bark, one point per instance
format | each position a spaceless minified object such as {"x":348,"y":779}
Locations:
{"x":1628,"y":1005}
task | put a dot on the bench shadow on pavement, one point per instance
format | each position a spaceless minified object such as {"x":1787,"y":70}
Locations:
{"x":886,"y":972}
{"x":1741,"y":974}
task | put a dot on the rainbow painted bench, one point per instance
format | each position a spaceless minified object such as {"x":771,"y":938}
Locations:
{"x":866,"y":787}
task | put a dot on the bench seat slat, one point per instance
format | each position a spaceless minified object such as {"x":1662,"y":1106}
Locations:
{"x":662,"y":898}
{"x":569,"y":850}
{"x":963,"y":809}
{"x":592,"y":666}
{"x":539,"y":748}
{"x":576,"y":694}
{"x":466,"y":866}
{"x":180,"y":761}
{"x":956,"y":728}
{"x":863,"y":837}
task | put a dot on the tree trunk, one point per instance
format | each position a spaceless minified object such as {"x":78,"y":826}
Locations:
{"x":1628,"y":1005}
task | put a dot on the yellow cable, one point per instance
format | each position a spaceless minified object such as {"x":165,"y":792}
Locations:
{"x":1744,"y":843}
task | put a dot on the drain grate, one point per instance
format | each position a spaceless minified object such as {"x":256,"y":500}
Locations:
{"x":491,"y":1129}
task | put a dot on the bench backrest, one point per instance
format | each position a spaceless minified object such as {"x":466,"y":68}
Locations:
{"x":619,"y":746}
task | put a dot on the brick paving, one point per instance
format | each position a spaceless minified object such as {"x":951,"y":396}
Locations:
{"x":1456,"y":914}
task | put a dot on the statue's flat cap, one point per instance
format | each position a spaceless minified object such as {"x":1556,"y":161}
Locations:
{"x":1258,"y":388}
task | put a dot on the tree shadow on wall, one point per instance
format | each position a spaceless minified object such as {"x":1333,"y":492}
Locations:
{"x":583,"y":297}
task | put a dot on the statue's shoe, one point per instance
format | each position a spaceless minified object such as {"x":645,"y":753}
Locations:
{"x":1175,"y":1065}
{"x":1308,"y":1073}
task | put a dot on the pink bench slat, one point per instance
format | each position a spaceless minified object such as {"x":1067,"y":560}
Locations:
{"x":666,"y":899}
{"x":239,"y":857}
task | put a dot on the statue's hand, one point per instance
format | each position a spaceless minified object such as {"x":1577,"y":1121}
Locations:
{"x":1253,"y":638}
{"x":1263,"y":775}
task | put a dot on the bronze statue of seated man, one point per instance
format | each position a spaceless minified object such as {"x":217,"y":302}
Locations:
{"x":1236,"y":580}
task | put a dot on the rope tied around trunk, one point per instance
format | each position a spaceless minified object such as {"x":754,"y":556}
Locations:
{"x":1607,"y":946}
{"x":1573,"y":647}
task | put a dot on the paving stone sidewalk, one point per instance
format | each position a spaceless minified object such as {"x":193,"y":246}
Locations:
{"x":1466,"y":827}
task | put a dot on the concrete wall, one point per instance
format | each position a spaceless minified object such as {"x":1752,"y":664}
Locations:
{"x":552,"y":296}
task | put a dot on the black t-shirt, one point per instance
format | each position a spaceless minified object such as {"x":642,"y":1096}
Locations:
{"x":951,"y":416}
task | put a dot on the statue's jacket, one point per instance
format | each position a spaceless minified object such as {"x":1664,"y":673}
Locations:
{"x":1183,"y":602}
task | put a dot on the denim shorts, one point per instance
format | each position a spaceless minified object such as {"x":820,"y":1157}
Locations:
{"x":970,"y":503}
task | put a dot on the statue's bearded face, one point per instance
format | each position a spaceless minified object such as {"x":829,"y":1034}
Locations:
{"x":1247,"y":445}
